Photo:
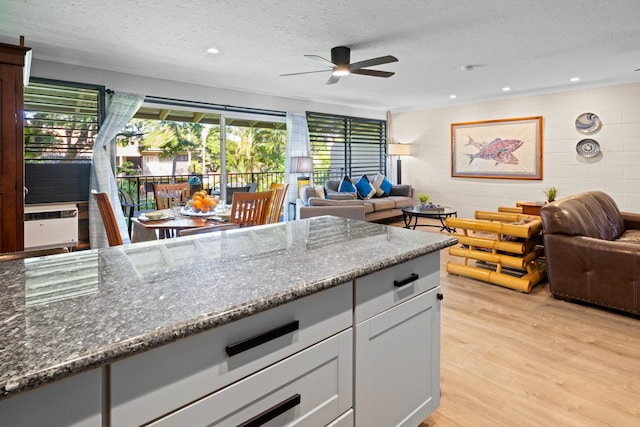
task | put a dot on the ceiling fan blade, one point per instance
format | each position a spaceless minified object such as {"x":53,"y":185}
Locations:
{"x":373,"y":61}
{"x":321,"y":59}
{"x":304,"y":72}
{"x":374,"y":73}
{"x":333,"y":80}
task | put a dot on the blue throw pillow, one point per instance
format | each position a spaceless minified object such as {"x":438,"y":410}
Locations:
{"x":364,"y":187}
{"x":346,"y":186}
{"x":386,"y":186}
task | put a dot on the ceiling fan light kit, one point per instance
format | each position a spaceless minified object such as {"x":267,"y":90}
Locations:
{"x":340,"y":65}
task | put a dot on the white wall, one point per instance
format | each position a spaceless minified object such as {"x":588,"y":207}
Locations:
{"x":615,"y":171}
{"x":190,"y":92}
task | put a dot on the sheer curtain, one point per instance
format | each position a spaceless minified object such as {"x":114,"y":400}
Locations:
{"x":297,"y":145}
{"x":121,"y":107}
{"x":392,"y":173}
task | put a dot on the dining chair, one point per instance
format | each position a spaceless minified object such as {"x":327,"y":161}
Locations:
{"x":108,"y":218}
{"x":207,"y":229}
{"x":275,"y":209}
{"x":170,"y":195}
{"x":250,"y":209}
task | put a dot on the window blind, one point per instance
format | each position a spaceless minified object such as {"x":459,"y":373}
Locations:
{"x":61,"y":120}
{"x":346,"y":145}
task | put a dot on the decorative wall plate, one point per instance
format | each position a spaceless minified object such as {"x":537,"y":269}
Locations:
{"x":588,"y":148}
{"x":588,"y":123}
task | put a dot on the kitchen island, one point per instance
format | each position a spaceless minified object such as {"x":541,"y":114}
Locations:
{"x":206,"y":329}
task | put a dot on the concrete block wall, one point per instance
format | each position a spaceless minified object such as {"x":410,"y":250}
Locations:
{"x":616,"y":170}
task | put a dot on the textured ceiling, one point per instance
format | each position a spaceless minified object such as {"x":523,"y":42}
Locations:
{"x":530,"y":46}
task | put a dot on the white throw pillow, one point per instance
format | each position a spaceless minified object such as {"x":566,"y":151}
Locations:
{"x":377,"y":182}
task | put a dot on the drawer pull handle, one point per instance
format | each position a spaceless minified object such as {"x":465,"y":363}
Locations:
{"x":272,"y":412}
{"x":401,"y":283}
{"x":249,"y":343}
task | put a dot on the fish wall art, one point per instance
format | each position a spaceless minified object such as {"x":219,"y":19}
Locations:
{"x":505,"y":148}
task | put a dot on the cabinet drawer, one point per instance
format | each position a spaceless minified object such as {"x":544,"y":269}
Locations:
{"x":380,"y":291}
{"x":345,"y":420}
{"x":310,"y":388}
{"x":149,"y":385}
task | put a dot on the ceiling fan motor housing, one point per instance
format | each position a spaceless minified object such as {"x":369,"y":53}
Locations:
{"x":341,"y":55}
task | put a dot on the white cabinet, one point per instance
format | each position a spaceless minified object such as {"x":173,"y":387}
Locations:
{"x":74,"y":402}
{"x":397,"y":345}
{"x":155,"y":383}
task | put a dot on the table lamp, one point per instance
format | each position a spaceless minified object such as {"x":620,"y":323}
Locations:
{"x":302,"y":165}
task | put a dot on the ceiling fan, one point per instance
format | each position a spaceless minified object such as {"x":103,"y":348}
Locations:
{"x":340,"y":66}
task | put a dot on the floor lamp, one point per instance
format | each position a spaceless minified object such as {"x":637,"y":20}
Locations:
{"x":399,"y":150}
{"x":302,"y":165}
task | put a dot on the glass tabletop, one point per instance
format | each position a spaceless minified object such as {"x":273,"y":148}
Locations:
{"x":435,"y":211}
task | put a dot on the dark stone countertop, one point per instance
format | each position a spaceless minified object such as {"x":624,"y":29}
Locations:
{"x":69,"y":313}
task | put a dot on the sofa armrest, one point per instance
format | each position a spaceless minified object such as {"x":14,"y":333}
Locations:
{"x":631,"y":220}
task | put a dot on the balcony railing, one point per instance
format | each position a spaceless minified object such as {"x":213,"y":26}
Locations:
{"x":140,"y":187}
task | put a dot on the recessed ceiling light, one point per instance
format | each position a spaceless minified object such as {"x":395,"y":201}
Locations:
{"x":506,"y":89}
{"x":574,"y":79}
{"x":452,"y":97}
{"x":212,"y":50}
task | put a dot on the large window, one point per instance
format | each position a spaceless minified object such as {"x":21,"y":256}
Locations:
{"x":171,"y":140}
{"x":61,"y":120}
{"x":346,"y":145}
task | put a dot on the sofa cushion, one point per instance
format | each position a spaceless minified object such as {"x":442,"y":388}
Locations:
{"x":331,"y":185}
{"x":317,"y":201}
{"x":400,"y":190}
{"x":346,"y":186}
{"x":386,"y":186}
{"x":306,"y":192}
{"x":320,"y":192}
{"x":591,"y":214}
{"x":376,"y":183}
{"x":341,"y":196}
{"x":402,"y":201}
{"x":364,"y":187}
{"x":630,"y":236}
{"x":382,"y":204}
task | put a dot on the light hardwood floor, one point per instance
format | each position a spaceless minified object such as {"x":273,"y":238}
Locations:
{"x":515,"y":359}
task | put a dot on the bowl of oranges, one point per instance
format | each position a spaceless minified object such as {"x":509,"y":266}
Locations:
{"x":201,"y":204}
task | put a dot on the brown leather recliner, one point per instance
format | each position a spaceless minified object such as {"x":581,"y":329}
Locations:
{"x":593,"y":251}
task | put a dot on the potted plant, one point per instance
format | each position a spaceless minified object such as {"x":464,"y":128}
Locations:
{"x":551,"y":193}
{"x":423,"y":199}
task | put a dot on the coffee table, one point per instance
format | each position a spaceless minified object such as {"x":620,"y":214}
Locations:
{"x":440,"y":213}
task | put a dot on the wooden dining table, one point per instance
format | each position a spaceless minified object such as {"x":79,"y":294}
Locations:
{"x":143,"y":231}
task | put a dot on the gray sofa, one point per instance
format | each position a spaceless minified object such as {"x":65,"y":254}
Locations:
{"x":349,"y":206}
